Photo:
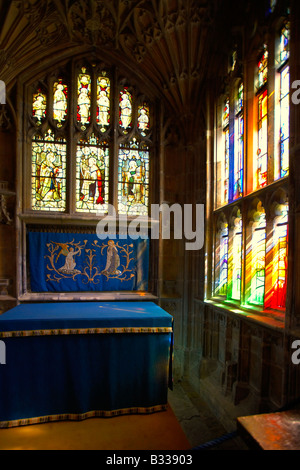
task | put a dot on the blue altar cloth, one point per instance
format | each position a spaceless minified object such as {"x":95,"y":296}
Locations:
{"x":76,"y":360}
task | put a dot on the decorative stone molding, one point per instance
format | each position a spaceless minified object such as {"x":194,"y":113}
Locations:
{"x":5,"y":193}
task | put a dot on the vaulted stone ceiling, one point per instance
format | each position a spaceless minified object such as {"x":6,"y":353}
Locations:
{"x":168,"y":43}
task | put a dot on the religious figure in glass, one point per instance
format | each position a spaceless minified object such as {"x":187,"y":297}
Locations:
{"x":133,"y":180}
{"x":48,"y":173}
{"x":125,"y":109}
{"x":39,"y":106}
{"x":92,"y":175}
{"x":103,"y":102}
{"x":59,"y":102}
{"x":143,"y":119}
{"x":84,"y":98}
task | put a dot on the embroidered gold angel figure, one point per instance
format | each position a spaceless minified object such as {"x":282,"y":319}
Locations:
{"x":69,"y":266}
{"x":112,"y":260}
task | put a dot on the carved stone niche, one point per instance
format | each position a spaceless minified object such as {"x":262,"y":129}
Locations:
{"x":5,"y":194}
{"x":5,"y":119}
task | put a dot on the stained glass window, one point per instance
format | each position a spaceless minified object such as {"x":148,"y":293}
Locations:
{"x":84,"y":98}
{"x":262,"y":151}
{"x":276,"y":296}
{"x":90,"y":167}
{"x":125,"y":107}
{"x":143,"y":119}
{"x":239,"y":145}
{"x":284,"y":43}
{"x":221,"y":260}
{"x":103,"y":102}
{"x":60,"y":102}
{"x":225,"y":176}
{"x":284,"y":121}
{"x":48,"y":173}
{"x":225,"y":116}
{"x":133,"y":189}
{"x":237,"y":260}
{"x":39,"y":106}
{"x":263,"y":68}
{"x":258,"y":261}
{"x":92,"y":173}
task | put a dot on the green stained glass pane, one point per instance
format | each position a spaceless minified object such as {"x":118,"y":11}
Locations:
{"x":84,"y":98}
{"x":125,"y":110}
{"x":92,"y":172}
{"x":133,"y":184}
{"x":143,"y":119}
{"x":103,"y":102}
{"x":48,"y":173}
{"x":39,"y":106}
{"x":60,"y":104}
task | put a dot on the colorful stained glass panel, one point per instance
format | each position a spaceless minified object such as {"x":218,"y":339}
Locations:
{"x":48,"y":173}
{"x":284,"y":43}
{"x":92,"y":173}
{"x":125,"y":107}
{"x":239,"y":157}
{"x":237,"y":261}
{"x":262,"y":151}
{"x":143,"y":119}
{"x":263,"y":69}
{"x":84,"y":98}
{"x":258,"y":262}
{"x":221,"y":266}
{"x":60,"y":102}
{"x":103,"y":102}
{"x":39,"y":106}
{"x":133,"y":186}
{"x":225,"y":116}
{"x":284,"y":121}
{"x":226,"y":166}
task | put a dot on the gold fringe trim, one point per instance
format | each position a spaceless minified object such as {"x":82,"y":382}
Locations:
{"x":84,"y":331}
{"x":82,"y":416}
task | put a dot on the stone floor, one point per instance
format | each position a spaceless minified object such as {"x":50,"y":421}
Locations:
{"x":199,"y":423}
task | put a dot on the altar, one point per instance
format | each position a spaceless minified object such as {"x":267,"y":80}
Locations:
{"x":74,"y":360}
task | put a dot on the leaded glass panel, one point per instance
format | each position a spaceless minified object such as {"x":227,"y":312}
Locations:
{"x":103,"y":102}
{"x":84,"y":98}
{"x":48,"y":173}
{"x":125,"y":107}
{"x":92,"y":176}
{"x":133,"y":186}
{"x":60,"y":102}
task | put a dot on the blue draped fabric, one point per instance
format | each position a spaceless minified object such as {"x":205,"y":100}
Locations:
{"x":70,"y":361}
{"x":78,"y":262}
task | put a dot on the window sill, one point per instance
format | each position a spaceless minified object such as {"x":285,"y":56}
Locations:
{"x":274,"y":319}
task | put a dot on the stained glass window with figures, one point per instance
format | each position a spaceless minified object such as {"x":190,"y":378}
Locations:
{"x":91,"y":142}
